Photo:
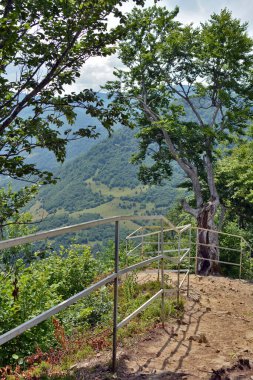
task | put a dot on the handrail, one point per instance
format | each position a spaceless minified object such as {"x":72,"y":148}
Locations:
{"x":247,"y":243}
{"x":54,"y":310}
{"x":240,"y":250}
{"x":132,"y":233}
{"x":218,"y":247}
{"x":184,"y":228}
{"x":167,"y":221}
{"x":183,"y":257}
{"x":137,"y":311}
{"x":76,"y":227}
{"x":133,"y":249}
{"x":217,"y":232}
{"x":139,"y":265}
{"x":117,"y":272}
{"x":217,"y":261}
{"x":110,"y":278}
{"x":132,"y":236}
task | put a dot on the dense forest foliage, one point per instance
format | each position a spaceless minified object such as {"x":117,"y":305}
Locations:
{"x":102,"y":183}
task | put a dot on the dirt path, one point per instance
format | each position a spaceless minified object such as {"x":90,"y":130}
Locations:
{"x":216,"y":331}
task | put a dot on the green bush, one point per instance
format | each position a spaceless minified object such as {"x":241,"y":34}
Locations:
{"x":34,"y":289}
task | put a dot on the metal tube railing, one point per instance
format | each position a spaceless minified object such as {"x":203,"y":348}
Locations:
{"x":114,"y":277}
{"x":74,"y":228}
{"x":133,"y":249}
{"x":216,"y":261}
{"x":182,"y":281}
{"x":54,"y":310}
{"x":162,"y":272}
{"x":216,"y":231}
{"x":141,"y":308}
{"x":140,"y":265}
{"x":240,"y":250}
{"x":219,"y":247}
{"x":115,"y":297}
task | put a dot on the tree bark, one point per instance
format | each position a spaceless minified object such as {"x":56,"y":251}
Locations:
{"x":208,"y":241}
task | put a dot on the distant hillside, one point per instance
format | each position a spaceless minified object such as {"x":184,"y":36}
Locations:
{"x":45,"y":160}
{"x":102,"y":183}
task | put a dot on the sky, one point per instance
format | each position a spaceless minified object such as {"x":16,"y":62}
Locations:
{"x":98,"y":70}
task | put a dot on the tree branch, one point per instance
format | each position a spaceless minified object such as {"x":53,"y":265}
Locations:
{"x":41,"y":85}
{"x":194,"y":212}
{"x":215,"y":115}
{"x":188,"y":100}
{"x":187,"y":167}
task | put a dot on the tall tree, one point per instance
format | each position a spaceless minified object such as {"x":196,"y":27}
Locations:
{"x":43,"y":46}
{"x":189,"y":89}
{"x":235,"y":184}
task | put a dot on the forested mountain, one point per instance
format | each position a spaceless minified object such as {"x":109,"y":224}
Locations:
{"x":102,"y":183}
{"x":46,"y":160}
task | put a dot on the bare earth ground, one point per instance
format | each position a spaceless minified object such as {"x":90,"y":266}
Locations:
{"x":216,"y":332}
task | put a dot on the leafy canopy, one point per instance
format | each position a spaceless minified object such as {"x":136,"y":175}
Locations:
{"x":235,"y":182}
{"x":189,"y":89}
{"x":43,"y":46}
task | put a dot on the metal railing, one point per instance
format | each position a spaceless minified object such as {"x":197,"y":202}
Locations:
{"x":176,"y":256}
{"x":159,"y":257}
{"x":177,"y":260}
{"x":244,"y":250}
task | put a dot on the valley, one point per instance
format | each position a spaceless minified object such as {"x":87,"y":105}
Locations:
{"x":102,"y":183}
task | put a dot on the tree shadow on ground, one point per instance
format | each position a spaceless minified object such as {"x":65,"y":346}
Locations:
{"x":192,"y":314}
{"x":102,"y":372}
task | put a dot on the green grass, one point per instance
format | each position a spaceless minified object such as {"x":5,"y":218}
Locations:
{"x":107,"y":209}
{"x":84,"y":345}
{"x":116,"y":192}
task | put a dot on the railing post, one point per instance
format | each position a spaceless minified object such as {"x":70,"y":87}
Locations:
{"x":178,"y":266}
{"x":162,"y":275}
{"x":159,"y":252}
{"x":240,"y":268}
{"x":115,"y":299}
{"x":189,"y":260}
{"x":196,"y":255}
{"x":142,"y":248}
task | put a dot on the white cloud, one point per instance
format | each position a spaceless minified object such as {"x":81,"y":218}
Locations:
{"x":95,"y":73}
{"x":98,"y":70}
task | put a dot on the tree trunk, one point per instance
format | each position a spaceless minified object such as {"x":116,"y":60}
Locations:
{"x":208,"y":242}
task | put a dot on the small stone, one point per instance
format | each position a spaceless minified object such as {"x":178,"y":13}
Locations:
{"x":201,"y":338}
{"x":208,"y":309}
{"x":217,"y":351}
